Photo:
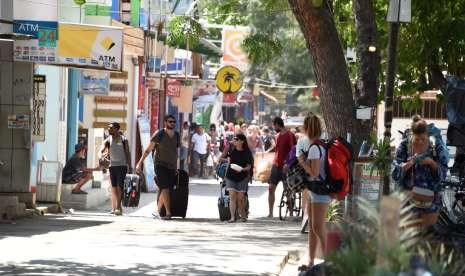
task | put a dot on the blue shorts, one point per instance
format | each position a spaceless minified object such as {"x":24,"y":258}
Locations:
{"x":316,"y":198}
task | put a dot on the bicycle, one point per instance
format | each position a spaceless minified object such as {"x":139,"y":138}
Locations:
{"x":454,"y":197}
{"x":290,"y":204}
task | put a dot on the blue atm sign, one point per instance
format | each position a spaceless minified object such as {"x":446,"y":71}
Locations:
{"x":34,"y":28}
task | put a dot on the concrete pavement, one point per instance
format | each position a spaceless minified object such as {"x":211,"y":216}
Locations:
{"x":94,"y":243}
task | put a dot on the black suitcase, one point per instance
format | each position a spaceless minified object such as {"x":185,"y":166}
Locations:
{"x":223,"y":204}
{"x":179,"y":197}
{"x":131,"y":190}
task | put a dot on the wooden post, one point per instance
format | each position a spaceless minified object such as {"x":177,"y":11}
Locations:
{"x":388,"y":235}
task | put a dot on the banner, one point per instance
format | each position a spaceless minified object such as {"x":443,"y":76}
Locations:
{"x":88,"y":45}
{"x":93,"y":82}
{"x":232,"y":51}
{"x":39,"y":99}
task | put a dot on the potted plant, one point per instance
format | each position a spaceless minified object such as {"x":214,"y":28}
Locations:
{"x":333,"y":230}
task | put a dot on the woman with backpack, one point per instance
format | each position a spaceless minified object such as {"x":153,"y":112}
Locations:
{"x":314,"y":165}
{"x":420,"y":165}
{"x":238,"y":175}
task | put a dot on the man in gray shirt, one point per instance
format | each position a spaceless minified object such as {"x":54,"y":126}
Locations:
{"x":116,"y":145}
{"x":165,"y":142}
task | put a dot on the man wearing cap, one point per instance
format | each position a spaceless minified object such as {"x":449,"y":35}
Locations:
{"x":75,"y":171}
{"x":120,"y":162}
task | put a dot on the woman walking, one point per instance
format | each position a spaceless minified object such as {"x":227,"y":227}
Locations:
{"x":314,"y":165}
{"x":238,"y":175}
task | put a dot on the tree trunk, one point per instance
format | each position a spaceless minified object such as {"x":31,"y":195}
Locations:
{"x":332,"y":77}
{"x":368,"y":70}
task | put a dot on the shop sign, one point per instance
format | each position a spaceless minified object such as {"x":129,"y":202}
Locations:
{"x":39,"y":100}
{"x":92,"y":82}
{"x":42,"y":47}
{"x":369,"y":183}
{"x":173,"y":88}
{"x":18,"y":121}
{"x":91,"y":46}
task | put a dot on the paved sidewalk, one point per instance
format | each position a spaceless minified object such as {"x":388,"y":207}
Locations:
{"x":93,"y":243}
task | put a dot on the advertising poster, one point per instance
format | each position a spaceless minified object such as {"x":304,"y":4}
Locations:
{"x":39,"y":100}
{"x":42,"y":47}
{"x":88,"y":45}
{"x":92,"y":82}
{"x":18,"y":121}
{"x":232,"y":50}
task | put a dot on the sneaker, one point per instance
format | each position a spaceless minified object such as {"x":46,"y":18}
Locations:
{"x":118,"y":213}
{"x":155,"y":215}
{"x":112,"y":212}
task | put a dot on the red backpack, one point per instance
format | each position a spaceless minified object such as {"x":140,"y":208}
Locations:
{"x":339,"y":163}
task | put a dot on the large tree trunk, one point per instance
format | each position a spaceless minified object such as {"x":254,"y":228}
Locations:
{"x":337,"y":100}
{"x":332,"y":77}
{"x":366,"y":90}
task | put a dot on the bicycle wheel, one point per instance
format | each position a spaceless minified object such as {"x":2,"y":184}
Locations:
{"x":454,"y":204}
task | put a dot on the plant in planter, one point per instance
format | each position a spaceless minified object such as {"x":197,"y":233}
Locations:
{"x":333,"y":230}
{"x":382,"y":161}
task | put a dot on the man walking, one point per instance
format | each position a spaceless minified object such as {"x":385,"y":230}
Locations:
{"x":200,"y":145}
{"x":165,"y":142}
{"x":285,"y":140}
{"x":116,"y":145}
{"x":75,"y":171}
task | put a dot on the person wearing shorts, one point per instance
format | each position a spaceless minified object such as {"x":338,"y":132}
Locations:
{"x":285,"y":140}
{"x":166,"y":143}
{"x":75,"y":172}
{"x":120,"y":162}
{"x":238,"y":175}
{"x":314,"y":165}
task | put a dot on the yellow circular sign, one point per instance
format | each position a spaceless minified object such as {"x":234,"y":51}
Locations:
{"x":228,"y":79}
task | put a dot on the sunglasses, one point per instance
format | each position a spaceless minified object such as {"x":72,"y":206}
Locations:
{"x":171,"y":121}
{"x":237,"y":139}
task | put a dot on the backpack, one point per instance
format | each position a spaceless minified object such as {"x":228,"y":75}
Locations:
{"x":339,"y":163}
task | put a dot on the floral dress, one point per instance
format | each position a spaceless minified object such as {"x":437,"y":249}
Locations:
{"x":422,"y":176}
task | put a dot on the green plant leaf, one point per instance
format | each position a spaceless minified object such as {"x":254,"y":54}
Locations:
{"x":317,"y":3}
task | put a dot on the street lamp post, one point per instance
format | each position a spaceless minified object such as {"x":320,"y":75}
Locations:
{"x":399,"y":11}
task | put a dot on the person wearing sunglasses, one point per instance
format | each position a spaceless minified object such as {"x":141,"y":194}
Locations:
{"x":238,"y":175}
{"x":165,"y":142}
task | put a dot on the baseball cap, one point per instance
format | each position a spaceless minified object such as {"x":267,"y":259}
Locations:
{"x":79,"y":147}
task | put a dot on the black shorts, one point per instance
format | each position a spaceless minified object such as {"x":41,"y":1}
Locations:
{"x":75,"y":178}
{"x":117,"y":175}
{"x":276,"y":175}
{"x":165,"y":178}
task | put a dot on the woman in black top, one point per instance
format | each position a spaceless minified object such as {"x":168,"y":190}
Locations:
{"x":238,"y":174}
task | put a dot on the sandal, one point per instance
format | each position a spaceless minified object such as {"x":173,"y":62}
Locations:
{"x":167,"y":217}
{"x":231,"y":221}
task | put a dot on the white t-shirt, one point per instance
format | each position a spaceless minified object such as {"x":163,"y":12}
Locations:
{"x":200,"y":142}
{"x":302,"y":145}
{"x":314,"y":153}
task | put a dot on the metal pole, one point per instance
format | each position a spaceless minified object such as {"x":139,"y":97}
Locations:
{"x":390,"y":78}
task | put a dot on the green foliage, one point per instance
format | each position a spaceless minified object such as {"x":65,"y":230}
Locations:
{"x":261,"y":48}
{"x":441,"y":261}
{"x":382,"y":160}
{"x":310,"y":103}
{"x":182,"y":29}
{"x":79,"y":2}
{"x":334,"y":211}
{"x":317,"y":3}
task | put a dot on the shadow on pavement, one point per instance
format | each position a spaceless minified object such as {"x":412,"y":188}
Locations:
{"x":43,"y":225}
{"x":56,"y":267}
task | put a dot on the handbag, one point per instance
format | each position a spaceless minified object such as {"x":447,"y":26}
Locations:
{"x":421,"y":197}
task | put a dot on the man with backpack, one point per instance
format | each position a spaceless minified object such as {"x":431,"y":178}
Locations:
{"x":117,"y":146}
{"x":285,"y":140}
{"x":165,"y":143}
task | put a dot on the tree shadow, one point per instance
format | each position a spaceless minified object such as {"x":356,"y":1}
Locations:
{"x":46,"y":224}
{"x":65,"y":267}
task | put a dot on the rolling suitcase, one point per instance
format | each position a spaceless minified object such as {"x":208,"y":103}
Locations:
{"x":179,"y":196}
{"x":223,"y":204}
{"x":131,"y":190}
